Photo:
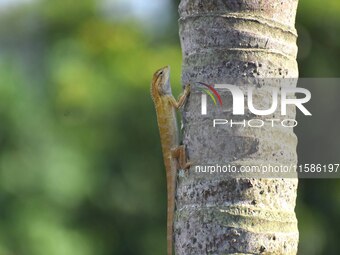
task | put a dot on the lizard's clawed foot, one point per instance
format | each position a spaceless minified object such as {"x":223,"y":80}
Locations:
{"x":179,"y":153}
{"x":187,"y":89}
{"x":187,"y":165}
{"x":181,"y":99}
{"x":186,"y":168}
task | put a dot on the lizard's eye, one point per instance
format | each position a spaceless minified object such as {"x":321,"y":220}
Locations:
{"x":161,"y":72}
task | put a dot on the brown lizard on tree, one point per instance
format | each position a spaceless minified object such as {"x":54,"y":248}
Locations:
{"x":173,"y":153}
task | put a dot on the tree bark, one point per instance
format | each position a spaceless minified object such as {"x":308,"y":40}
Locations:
{"x":219,"y":214}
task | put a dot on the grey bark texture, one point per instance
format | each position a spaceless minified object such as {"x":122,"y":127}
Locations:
{"x":217,"y":214}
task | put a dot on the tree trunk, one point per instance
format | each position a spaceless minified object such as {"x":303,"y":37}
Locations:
{"x":217,"y":214}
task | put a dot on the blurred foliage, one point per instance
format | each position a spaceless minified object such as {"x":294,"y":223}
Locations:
{"x":80,"y":160}
{"x":318,"y":205}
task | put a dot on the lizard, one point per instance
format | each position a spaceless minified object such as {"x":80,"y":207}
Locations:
{"x":174,"y":154}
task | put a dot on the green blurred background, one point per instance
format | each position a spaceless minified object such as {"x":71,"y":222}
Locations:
{"x":81,"y":170}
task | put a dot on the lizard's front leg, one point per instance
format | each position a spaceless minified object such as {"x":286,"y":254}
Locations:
{"x":181,"y":99}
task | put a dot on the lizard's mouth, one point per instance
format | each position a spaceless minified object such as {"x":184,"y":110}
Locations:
{"x":166,"y":73}
{"x":166,"y":88}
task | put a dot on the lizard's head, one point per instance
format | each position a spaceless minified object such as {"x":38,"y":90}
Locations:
{"x":161,"y":82}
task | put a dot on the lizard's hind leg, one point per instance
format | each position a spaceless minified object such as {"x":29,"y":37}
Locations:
{"x":179,"y":153}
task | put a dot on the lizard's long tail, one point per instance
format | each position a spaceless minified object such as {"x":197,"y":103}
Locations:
{"x":171,"y":189}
